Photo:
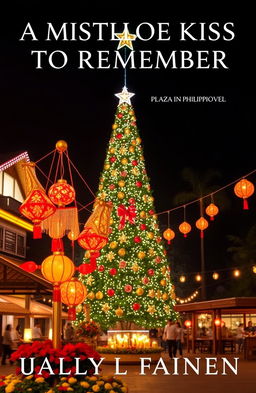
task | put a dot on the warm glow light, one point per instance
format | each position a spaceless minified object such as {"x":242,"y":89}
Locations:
{"x":198,"y":277}
{"x":215,"y":276}
{"x":50,"y":334}
{"x":27,"y":335}
{"x":217,"y":322}
{"x":15,"y":220}
{"x":182,"y":278}
{"x":254,"y":269}
{"x":236,"y":273}
{"x":188,"y":323}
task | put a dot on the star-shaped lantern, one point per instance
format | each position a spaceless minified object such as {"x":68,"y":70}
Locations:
{"x":124,"y":96}
{"x":125,"y":39}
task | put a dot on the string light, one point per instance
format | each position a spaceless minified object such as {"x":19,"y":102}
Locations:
{"x":187,"y":299}
{"x":236,"y":273}
{"x":182,"y":278}
{"x":254,"y":269}
{"x":215,"y":276}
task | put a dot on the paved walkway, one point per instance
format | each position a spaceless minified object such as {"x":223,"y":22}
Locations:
{"x":244,"y":382}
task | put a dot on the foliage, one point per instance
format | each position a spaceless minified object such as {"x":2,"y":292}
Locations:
{"x":132,"y":283}
{"x":102,"y":384}
{"x":131,"y":350}
{"x":87,"y":329}
{"x":44,"y":349}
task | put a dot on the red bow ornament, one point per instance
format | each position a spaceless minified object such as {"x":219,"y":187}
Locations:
{"x":126,"y":214}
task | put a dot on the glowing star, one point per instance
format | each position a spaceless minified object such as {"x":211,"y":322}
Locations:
{"x":163,"y":270}
{"x":124,"y":96}
{"x":123,"y":238}
{"x":114,"y":173}
{"x":103,"y":195}
{"x":125,"y":39}
{"x":151,"y":309}
{"x":105,"y":307}
{"x":151,"y":293}
{"x":90,"y":280}
{"x":136,"y":172}
{"x":158,"y":294}
{"x":151,"y":252}
{"x":123,"y":150}
{"x":110,"y":256}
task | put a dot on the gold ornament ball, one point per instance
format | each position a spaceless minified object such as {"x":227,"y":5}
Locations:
{"x":121,"y":252}
{"x":142,"y":214}
{"x":163,"y":282}
{"x":150,"y":235}
{"x":61,"y":146}
{"x":113,"y":245}
{"x":111,"y":221}
{"x":91,"y":295}
{"x":131,"y":112}
{"x":133,"y":142}
{"x":127,"y":131}
{"x":112,"y":150}
{"x":120,"y":195}
{"x":139,"y":291}
{"x":151,"y":199}
{"x":138,"y":141}
{"x":124,"y":161}
{"x":99,"y":295}
{"x":114,"y":126}
{"x":141,"y":254}
{"x":131,"y":149}
{"x":101,"y":187}
{"x":165,"y":296}
{"x":133,"y":118}
{"x":106,"y":166}
{"x":121,"y":183}
{"x":135,"y":268}
{"x":79,"y":308}
{"x":119,"y":312}
{"x":154,"y":216}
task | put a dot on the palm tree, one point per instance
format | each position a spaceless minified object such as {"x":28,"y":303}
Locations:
{"x":200,"y":184}
{"x":243,"y":253}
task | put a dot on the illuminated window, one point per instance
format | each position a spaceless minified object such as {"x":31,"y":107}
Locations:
{"x":17,"y":193}
{"x":1,"y":182}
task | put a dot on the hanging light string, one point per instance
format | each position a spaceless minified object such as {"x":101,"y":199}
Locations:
{"x":208,"y":195}
{"x":42,"y":158}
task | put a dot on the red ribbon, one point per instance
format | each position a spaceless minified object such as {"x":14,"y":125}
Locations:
{"x":126,"y":214}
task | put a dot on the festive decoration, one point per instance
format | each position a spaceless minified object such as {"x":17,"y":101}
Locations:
{"x":61,"y":193}
{"x":169,"y":234}
{"x":37,"y":207}
{"x":236,"y":273}
{"x":132,"y":261}
{"x":185,"y":228}
{"x":215,"y":276}
{"x":73,"y":293}
{"x":198,"y":277}
{"x":188,"y":323}
{"x":202,"y":224}
{"x":187,"y":299}
{"x":182,"y":278}
{"x":212,"y":210}
{"x":125,"y":39}
{"x":244,"y":189}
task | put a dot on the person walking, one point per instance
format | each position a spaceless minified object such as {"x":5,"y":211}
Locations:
{"x":240,"y":334}
{"x":179,"y":337}
{"x":170,"y":334}
{"x":7,"y":344}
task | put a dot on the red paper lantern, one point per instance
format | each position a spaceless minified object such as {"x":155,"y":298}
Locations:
{"x":61,"y":193}
{"x":110,"y":292}
{"x":37,"y":207}
{"x":29,"y":266}
{"x":90,"y":240}
{"x":185,"y":228}
{"x":113,"y":271}
{"x":244,"y":189}
{"x":73,"y":293}
{"x":212,"y":210}
{"x":169,"y":234}
{"x":136,"y":306}
{"x":202,"y":224}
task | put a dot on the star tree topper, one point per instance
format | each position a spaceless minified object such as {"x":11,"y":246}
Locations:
{"x":124,"y":96}
{"x":125,"y":39}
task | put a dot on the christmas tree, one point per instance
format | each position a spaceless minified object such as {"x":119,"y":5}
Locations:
{"x":132,"y":280}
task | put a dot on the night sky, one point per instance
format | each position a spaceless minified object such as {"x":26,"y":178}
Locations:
{"x":38,"y":107}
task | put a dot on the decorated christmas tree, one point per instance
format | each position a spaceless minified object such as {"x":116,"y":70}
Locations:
{"x":132,"y":281}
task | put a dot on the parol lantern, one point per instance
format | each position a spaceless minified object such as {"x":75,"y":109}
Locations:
{"x":57,"y":268}
{"x":244,"y":189}
{"x":96,"y":230}
{"x":185,"y":228}
{"x":37,"y":207}
{"x":212,"y":210}
{"x":61,"y":193}
{"x":169,"y":234}
{"x":73,"y":293}
{"x":202,"y":224}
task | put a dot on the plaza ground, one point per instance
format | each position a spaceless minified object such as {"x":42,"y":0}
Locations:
{"x":244,"y":382}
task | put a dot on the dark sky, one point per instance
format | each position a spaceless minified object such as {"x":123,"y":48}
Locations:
{"x":39,"y":107}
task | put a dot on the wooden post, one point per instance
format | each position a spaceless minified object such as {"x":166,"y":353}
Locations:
{"x":27,"y":307}
{"x":193,"y":332}
{"x":214,"y":347}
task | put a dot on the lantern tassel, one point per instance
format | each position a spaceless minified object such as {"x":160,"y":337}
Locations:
{"x":37,"y":232}
{"x":56,"y":293}
{"x":57,"y":245}
{"x":245,"y":205}
{"x":212,"y":218}
{"x":93,"y":257}
{"x":185,"y":235}
{"x":72,"y":314}
{"x":202,"y":234}
{"x":169,"y":241}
